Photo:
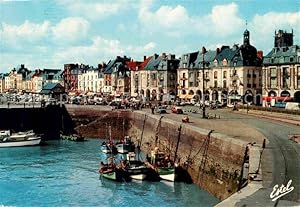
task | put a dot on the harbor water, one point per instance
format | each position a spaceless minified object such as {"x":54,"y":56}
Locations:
{"x":65,"y":173}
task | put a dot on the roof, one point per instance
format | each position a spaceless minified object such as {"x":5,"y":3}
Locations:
{"x":282,"y":55}
{"x":50,"y":86}
{"x":209,"y":57}
{"x":30,"y":75}
{"x":108,"y":68}
{"x":153,"y":63}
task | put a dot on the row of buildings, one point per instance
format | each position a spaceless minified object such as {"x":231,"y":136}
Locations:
{"x":227,"y":74}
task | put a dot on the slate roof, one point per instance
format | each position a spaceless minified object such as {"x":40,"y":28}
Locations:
{"x":209,"y":57}
{"x":109,"y":68}
{"x":49,"y":87}
{"x":282,"y":55}
{"x":30,"y":75}
{"x":189,"y":60}
{"x":153,"y":63}
{"x":2,"y":75}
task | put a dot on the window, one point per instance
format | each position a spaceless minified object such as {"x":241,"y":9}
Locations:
{"x":298,"y":76}
{"x":273,"y":82}
{"x":183,"y":75}
{"x":215,"y":75}
{"x":206,"y":75}
{"x":225,"y":75}
{"x":273,"y":72}
{"x":215,"y":83}
{"x":224,"y":84}
{"x":190,"y":75}
{"x":285,"y":77}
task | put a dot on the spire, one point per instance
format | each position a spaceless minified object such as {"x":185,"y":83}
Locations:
{"x":246,"y":37}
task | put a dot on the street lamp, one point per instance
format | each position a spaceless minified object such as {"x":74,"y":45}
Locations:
{"x":203,"y":88}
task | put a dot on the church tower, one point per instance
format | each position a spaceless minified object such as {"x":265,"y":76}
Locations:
{"x":246,"y":37}
{"x":283,"y":39}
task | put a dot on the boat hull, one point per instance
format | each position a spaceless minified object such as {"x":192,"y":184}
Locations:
{"x":110,"y":175}
{"x":22,"y":143}
{"x":116,"y":175}
{"x":138,"y":172}
{"x":139,"y":176}
{"x":167,"y":174}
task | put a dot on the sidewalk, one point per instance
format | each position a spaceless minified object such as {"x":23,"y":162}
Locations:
{"x":286,"y":118}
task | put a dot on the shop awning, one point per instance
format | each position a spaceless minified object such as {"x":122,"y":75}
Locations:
{"x":277,"y":98}
{"x":182,"y":96}
{"x":189,"y":96}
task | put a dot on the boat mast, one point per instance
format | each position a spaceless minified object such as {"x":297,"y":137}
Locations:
{"x":177,"y":145}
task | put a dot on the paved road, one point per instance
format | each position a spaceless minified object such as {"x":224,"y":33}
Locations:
{"x":280,"y":160}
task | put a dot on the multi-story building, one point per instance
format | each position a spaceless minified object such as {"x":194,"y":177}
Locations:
{"x":91,"y":81}
{"x":14,"y":80}
{"x":117,"y":77}
{"x":2,"y":82}
{"x":71,"y":73}
{"x":230,"y":74}
{"x":37,"y":81}
{"x":156,"y":78}
{"x":281,"y":71}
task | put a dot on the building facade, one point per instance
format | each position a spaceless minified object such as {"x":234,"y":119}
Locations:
{"x":91,"y":81}
{"x":156,"y":78}
{"x":71,"y":73}
{"x":2,"y":82}
{"x":227,"y":75}
{"x":281,"y":71}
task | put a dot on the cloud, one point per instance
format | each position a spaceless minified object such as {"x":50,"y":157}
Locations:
{"x":28,"y":32}
{"x":99,"y":50}
{"x":71,"y":29}
{"x":176,"y":21}
{"x":166,"y":19}
{"x":96,"y":10}
{"x":224,"y":19}
{"x":262,"y":27}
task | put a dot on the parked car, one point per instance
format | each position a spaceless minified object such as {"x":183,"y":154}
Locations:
{"x":161,"y":110}
{"x":177,"y":110}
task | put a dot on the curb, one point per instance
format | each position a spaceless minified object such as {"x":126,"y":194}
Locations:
{"x":288,"y":121}
{"x":254,"y":179}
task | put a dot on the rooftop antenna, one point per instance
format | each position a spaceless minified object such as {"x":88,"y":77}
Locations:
{"x":246,"y":24}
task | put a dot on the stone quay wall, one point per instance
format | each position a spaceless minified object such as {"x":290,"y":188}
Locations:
{"x":218,"y":171}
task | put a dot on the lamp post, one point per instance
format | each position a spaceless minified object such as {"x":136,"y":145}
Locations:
{"x":203,"y":88}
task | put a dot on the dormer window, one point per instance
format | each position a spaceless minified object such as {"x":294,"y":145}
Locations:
{"x":291,"y":59}
{"x":215,"y":62}
{"x":224,"y":62}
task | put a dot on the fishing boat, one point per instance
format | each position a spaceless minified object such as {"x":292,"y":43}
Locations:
{"x":163,"y":165}
{"x":72,"y":137}
{"x":126,"y":145}
{"x":112,"y":172}
{"x":108,"y":147}
{"x":19,"y":139}
{"x":136,"y":169}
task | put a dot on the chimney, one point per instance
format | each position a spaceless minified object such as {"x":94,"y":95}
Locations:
{"x":163,"y":55}
{"x":260,"y":54}
{"x":145,"y":57}
{"x":155,"y":56}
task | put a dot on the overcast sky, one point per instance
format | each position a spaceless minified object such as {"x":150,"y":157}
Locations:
{"x":49,"y":33}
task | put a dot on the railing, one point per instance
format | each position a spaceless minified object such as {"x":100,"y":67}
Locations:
{"x":271,"y":109}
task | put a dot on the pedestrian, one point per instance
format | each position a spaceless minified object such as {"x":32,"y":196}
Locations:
{"x":152,"y":109}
